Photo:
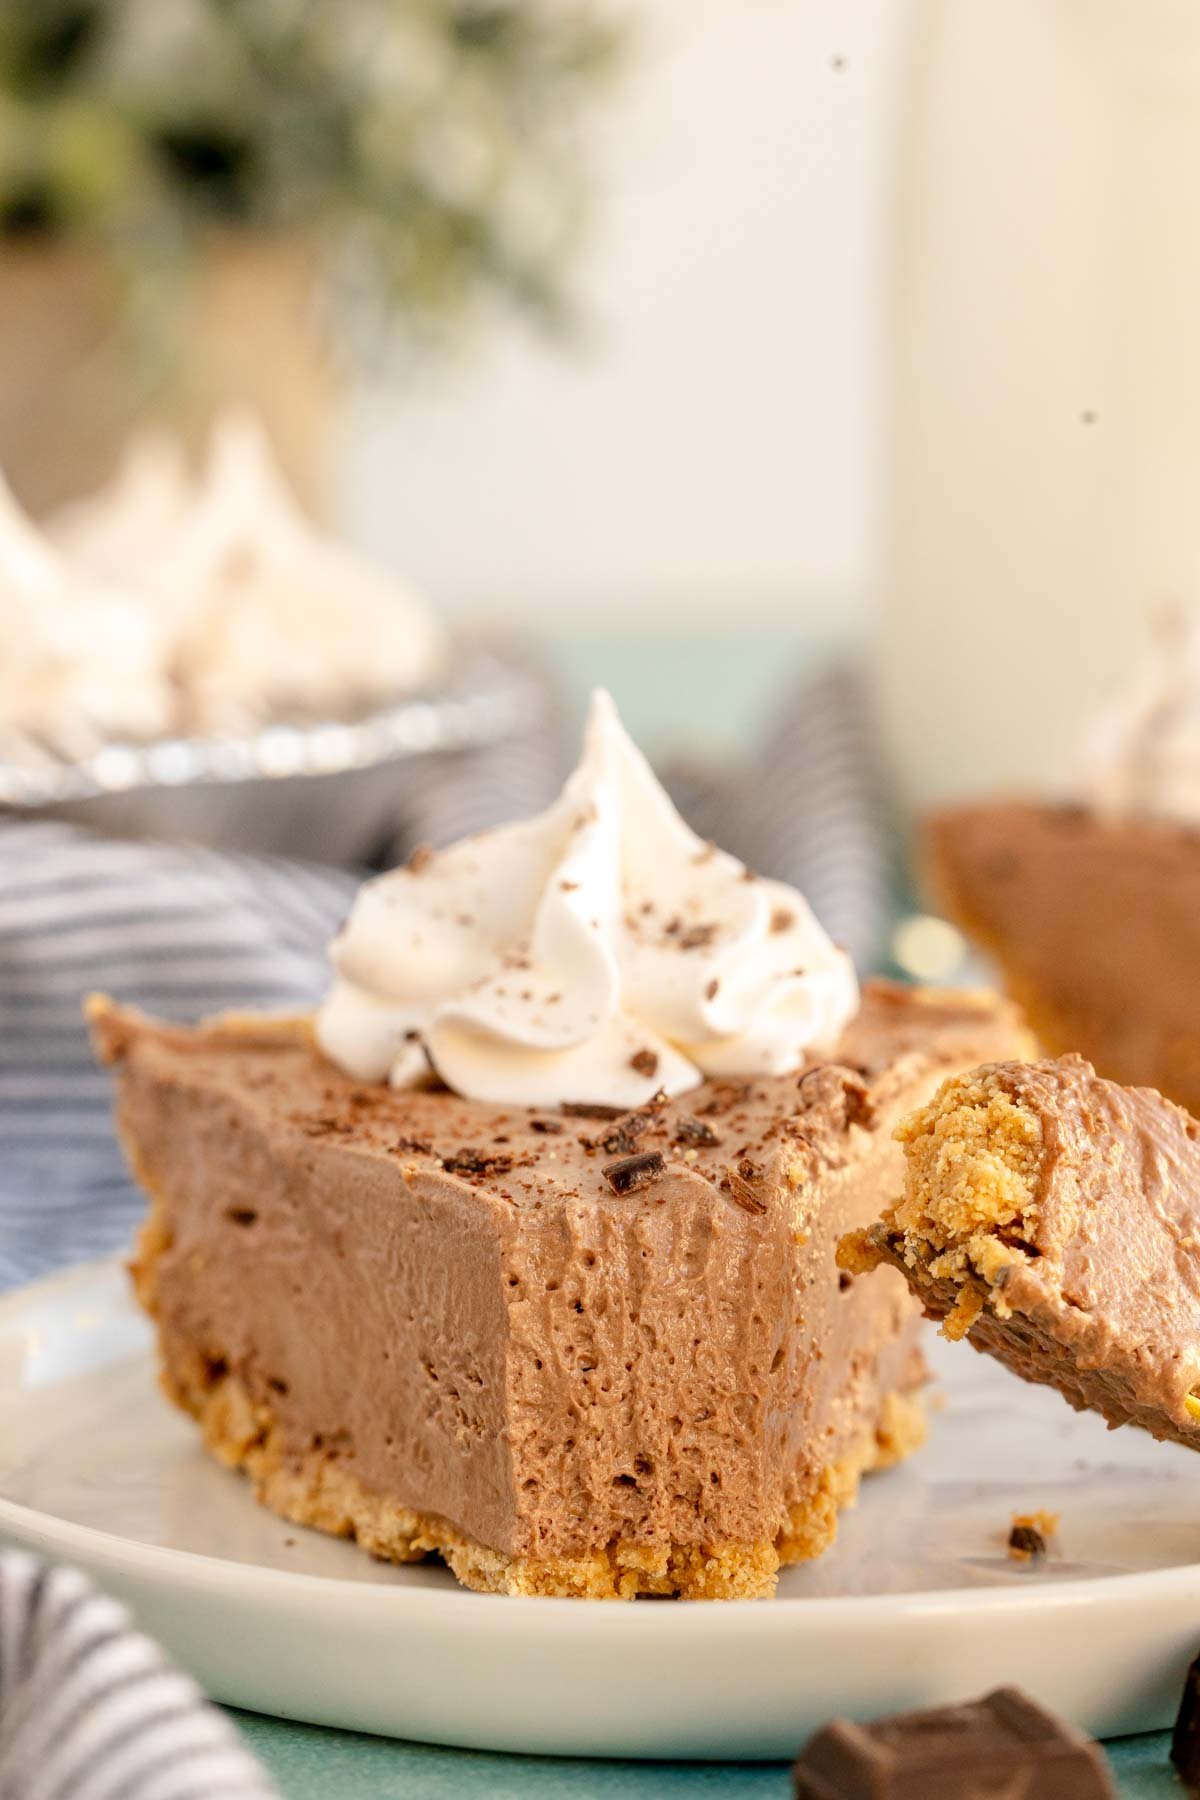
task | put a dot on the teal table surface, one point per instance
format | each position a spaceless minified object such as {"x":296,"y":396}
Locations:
{"x":308,"y":1763}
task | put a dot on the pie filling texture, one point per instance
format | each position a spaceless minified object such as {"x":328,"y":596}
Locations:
{"x":572,"y":1354}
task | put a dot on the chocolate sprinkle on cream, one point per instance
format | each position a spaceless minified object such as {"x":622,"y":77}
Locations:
{"x":629,"y":1173}
{"x":420,"y":859}
{"x":782,"y":919}
{"x":697,"y":937}
{"x":644,"y":1061}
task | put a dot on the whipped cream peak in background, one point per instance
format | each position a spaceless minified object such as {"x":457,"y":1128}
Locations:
{"x":597,"y":953}
{"x":75,"y":652}
{"x":123,"y":528}
{"x":1143,"y":755}
{"x":282,"y":618}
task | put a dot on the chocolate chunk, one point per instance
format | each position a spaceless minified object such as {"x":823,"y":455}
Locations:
{"x":1002,"y":1744}
{"x":1185,"y":1740}
{"x":631,"y":1172}
{"x":587,"y":1109}
{"x":644,"y":1061}
{"x":551,"y":1126}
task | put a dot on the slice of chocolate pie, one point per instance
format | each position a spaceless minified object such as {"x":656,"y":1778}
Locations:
{"x":523,"y":1251}
{"x":1053,"y":1218}
{"x":1095,"y":922}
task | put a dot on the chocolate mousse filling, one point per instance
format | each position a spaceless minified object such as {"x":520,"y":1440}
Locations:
{"x":446,"y":1325}
{"x":1053,"y":1219}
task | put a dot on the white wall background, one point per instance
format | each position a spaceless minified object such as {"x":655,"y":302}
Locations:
{"x":710,"y":449}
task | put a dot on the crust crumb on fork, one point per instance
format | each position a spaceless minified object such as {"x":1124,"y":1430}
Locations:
{"x":1052,"y":1217}
{"x":973,"y":1169}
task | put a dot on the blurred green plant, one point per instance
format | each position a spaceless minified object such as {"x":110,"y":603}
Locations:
{"x":432,"y":149}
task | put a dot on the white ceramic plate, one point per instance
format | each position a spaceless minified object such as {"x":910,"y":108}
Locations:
{"x":918,"y":1603}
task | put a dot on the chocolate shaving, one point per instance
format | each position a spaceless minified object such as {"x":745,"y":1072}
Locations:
{"x":476,"y":1162}
{"x":710,"y":992}
{"x":839,"y":1091}
{"x":695,"y":1131}
{"x":782,"y":919}
{"x":645,"y":1062}
{"x":632,"y":1172}
{"x":742,"y":1186}
{"x":587,"y":1109}
{"x":724,"y":1097}
{"x":550,"y":1127}
{"x":623,"y":1138}
{"x":406,"y":1146}
{"x":697,"y":937}
{"x":420,"y":859}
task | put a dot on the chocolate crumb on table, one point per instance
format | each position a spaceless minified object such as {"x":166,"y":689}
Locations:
{"x":1004,"y":1744}
{"x":1026,"y":1544}
{"x":1030,"y":1535}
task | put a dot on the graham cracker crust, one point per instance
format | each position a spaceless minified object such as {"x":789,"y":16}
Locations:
{"x":319,"y":1490}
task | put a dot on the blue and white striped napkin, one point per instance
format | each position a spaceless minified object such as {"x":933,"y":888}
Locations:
{"x":175,"y":930}
{"x":89,"y":1708}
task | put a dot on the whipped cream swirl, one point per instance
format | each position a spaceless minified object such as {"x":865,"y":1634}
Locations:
{"x":596,"y":953}
{"x":1143,"y":756}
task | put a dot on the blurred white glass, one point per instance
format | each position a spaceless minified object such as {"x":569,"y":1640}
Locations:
{"x":1044,"y":449}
